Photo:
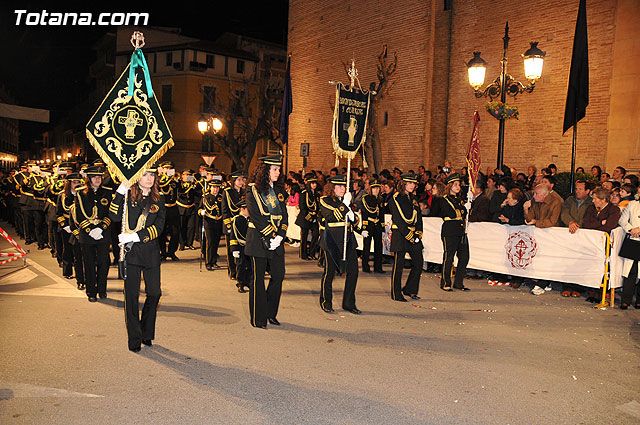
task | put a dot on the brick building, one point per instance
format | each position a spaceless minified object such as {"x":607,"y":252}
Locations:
{"x":427,"y":115}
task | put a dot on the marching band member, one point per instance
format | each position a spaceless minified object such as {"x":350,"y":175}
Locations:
{"x":267,"y":228}
{"x":239,"y":226}
{"x":92,"y":219}
{"x":71,"y":250}
{"x":308,"y":217}
{"x":334,"y":207}
{"x":169,"y":188}
{"x":145,"y":219}
{"x":454,"y":238}
{"x":210,"y":210}
{"x":186,"y":207}
{"x":231,"y":196}
{"x":372,"y":228}
{"x":406,"y":237}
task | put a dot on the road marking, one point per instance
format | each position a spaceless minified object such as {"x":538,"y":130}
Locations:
{"x":632,"y":408}
{"x":60,"y":288}
{"x":19,"y":276}
{"x":9,"y":390}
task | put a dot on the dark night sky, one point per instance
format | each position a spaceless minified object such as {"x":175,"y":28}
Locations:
{"x":47,"y":67}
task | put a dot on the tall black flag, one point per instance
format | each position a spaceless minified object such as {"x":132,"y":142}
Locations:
{"x":287,"y":106}
{"x":578,"y":92}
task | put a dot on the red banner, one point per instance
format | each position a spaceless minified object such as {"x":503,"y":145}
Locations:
{"x":473,"y":154}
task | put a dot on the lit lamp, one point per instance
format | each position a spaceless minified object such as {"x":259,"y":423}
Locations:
{"x":217,"y":124}
{"x":48,"y":160}
{"x":203,"y":124}
{"x":476,"y":68}
{"x":69,"y":155}
{"x":58,"y":157}
{"x":533,"y":60}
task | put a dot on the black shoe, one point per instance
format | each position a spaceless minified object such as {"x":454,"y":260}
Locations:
{"x":81,"y":287}
{"x":414,"y":297}
{"x":273,"y":321}
{"x":402,"y":300}
{"x":103,"y":295}
{"x":624,"y":306}
{"x":210,"y":268}
{"x":40,"y":248}
{"x":181,"y":248}
{"x":241,"y":289}
{"x":174,"y":257}
{"x":636,"y":306}
{"x":327,"y":309}
{"x":447,"y":289}
{"x":147,"y":342}
{"x":192,"y":247}
{"x":379,"y":271}
{"x":135,"y":350}
{"x":68,"y":277}
{"x":464,"y":288}
{"x":92,"y":299}
{"x":367,"y":270}
{"x":353,"y":310}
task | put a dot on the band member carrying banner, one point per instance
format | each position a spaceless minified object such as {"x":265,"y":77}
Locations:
{"x":130,"y":134}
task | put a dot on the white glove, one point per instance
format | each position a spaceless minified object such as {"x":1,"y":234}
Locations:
{"x":125,"y":238}
{"x":347,"y":199}
{"x":365,"y":234}
{"x":272,"y":245}
{"x":96,"y":233}
{"x":351,"y":216}
{"x":202,"y":212}
{"x":236,"y":254}
{"x":417,"y":240}
{"x":277,"y":241}
{"x":122,"y":189}
{"x":67,"y":229}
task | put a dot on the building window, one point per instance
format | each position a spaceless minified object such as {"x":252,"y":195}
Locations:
{"x":240,"y":66}
{"x":211,"y":63}
{"x":238,"y":108}
{"x":167,"y":92}
{"x":169,"y":57}
{"x":386,"y":118}
{"x":447,"y":4}
{"x":208,"y":99}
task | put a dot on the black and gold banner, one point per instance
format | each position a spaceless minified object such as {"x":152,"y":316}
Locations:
{"x":129,"y":132}
{"x":349,"y":121}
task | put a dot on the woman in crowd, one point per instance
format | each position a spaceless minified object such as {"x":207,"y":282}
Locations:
{"x":268,"y":220}
{"x":92,"y":219}
{"x":406,"y":237}
{"x":630,"y":222}
{"x":145,"y":216}
{"x":335,"y":209}
{"x":453,"y":234}
{"x":596,"y":171}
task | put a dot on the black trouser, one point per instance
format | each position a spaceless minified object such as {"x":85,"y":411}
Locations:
{"x":310,"y":251}
{"x":39,"y":227}
{"x":376,"y":236}
{"x":172,"y":230}
{"x":72,"y":258}
{"x":231,"y":262}
{"x":144,"y":328}
{"x":96,"y":267}
{"x":413,"y":280}
{"x":55,"y":239}
{"x":454,"y":245}
{"x":326,"y":284}
{"x":630,"y":283}
{"x":263,"y":304}
{"x":187,"y":229}
{"x":243,"y":270}
{"x":212,"y":233}
{"x":116,"y":229}
{"x":18,"y":219}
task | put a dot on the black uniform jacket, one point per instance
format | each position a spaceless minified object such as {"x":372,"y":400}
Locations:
{"x":308,"y":209}
{"x":333,"y":211}
{"x":264,"y":226}
{"x":186,"y":197}
{"x":239,"y":226}
{"x":407,"y":223}
{"x":372,"y":218}
{"x":38,"y":185}
{"x":212,"y":206}
{"x":230,"y":209}
{"x":169,"y":188}
{"x":452,"y":210}
{"x":147,"y":251}
{"x":55,"y":189}
{"x":92,"y":211}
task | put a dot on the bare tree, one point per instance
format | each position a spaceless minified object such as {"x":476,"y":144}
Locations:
{"x":249,"y":115}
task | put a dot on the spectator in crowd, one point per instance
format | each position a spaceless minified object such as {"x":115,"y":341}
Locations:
{"x":333,"y":172}
{"x":550,"y":182}
{"x":358,"y":193}
{"x":627,"y":194}
{"x":499,"y":196}
{"x":480,"y":204}
{"x":385,"y":176}
{"x":553,"y":170}
{"x":630,"y":223}
{"x":631,"y":179}
{"x":574,"y":209}
{"x":521,"y":180}
{"x":512,"y":210}
{"x":575,"y":206}
{"x":602,"y":215}
{"x":544,"y":210}
{"x":608,"y":184}
{"x":596,"y":172}
{"x":396,"y":173}
{"x":531,"y":176}
{"x":614,"y":197}
{"x":388,"y":189}
{"x":618,"y":174}
{"x":605,"y":177}
{"x":580,"y":170}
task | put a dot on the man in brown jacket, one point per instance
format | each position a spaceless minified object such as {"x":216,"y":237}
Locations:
{"x":544,"y":210}
{"x":575,"y":206}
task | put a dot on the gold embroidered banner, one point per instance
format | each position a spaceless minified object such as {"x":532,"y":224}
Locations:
{"x":349,"y":121}
{"x":129,"y":132}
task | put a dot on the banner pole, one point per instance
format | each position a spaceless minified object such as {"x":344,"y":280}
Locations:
{"x":346,"y":219}
{"x":202,"y":242}
{"x":122,"y":229}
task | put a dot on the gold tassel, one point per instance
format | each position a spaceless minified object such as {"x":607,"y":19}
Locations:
{"x":337,"y":161}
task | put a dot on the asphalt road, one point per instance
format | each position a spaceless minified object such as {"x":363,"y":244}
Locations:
{"x":530,"y":360}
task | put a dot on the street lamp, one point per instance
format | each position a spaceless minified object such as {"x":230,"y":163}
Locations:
{"x":505,"y":84}
{"x":208,"y":126}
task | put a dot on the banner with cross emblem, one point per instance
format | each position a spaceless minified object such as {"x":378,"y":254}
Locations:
{"x":349,"y":120}
{"x":128,"y":130}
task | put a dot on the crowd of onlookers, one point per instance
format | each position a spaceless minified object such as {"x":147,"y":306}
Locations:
{"x":511,"y":197}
